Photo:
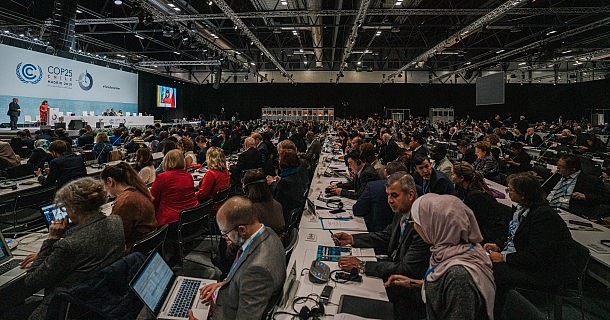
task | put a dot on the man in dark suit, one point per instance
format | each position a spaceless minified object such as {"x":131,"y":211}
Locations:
{"x":264,"y":153}
{"x":362,"y":174}
{"x":416,"y":145}
{"x":388,"y":151}
{"x":65,"y":166}
{"x":574,"y":190}
{"x":409,"y":254}
{"x":519,"y":160}
{"x":373,"y":202}
{"x":467,"y":151}
{"x":452,"y":135}
{"x":259,"y":269}
{"x":531,"y":138}
{"x":314,"y":149}
{"x":429,"y":179}
{"x":249,"y":159}
{"x":14,"y":110}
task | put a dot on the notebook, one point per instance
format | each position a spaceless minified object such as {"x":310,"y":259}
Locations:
{"x":52,"y":212}
{"x":166,"y":295}
{"x":366,"y":308}
{"x":9,"y":266}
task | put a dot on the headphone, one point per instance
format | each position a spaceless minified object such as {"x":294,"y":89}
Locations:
{"x":6,"y":184}
{"x":245,"y":186}
{"x":306,"y":313}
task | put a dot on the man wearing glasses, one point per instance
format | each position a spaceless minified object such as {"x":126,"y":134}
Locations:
{"x":259,"y":269}
{"x":408,"y":254}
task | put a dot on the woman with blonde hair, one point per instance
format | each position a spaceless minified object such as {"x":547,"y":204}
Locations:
{"x":173,"y":189}
{"x":217,"y":177}
{"x":102,"y":147}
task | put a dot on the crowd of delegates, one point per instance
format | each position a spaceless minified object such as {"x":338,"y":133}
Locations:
{"x":433,"y":216}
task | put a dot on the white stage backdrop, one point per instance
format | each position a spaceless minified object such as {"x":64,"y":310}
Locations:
{"x":69,"y":85}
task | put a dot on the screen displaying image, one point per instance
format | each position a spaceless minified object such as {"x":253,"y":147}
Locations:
{"x":166,"y":97}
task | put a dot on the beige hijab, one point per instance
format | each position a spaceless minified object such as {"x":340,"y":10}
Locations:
{"x":455,"y":236}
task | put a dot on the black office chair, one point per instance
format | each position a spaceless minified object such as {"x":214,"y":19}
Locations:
{"x":151,"y":241}
{"x":290,"y":241}
{"x":293,"y":219}
{"x":106,"y":295}
{"x":518,"y":307}
{"x":221,"y":196}
{"x":192,"y":227}
{"x":579,"y":255}
{"x":26,"y":214}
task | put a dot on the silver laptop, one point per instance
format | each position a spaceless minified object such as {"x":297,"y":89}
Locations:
{"x":9,"y":265}
{"x":290,"y":287}
{"x":168,"y":296}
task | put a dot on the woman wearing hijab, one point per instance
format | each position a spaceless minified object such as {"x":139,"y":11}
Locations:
{"x":459,"y":283}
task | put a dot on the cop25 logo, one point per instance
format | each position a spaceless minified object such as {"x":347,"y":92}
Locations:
{"x":28,"y":73}
{"x":85,"y":81}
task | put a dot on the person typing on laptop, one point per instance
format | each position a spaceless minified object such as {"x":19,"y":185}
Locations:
{"x":259,"y":269}
{"x":67,"y":258}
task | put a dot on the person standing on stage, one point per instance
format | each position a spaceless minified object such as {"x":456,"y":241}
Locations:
{"x":44,"y":112}
{"x":14,"y":110}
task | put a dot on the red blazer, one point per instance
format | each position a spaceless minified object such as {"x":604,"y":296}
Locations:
{"x":212,"y":182}
{"x":172,"y":191}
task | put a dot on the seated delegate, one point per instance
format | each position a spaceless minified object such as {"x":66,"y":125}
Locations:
{"x":65,"y":166}
{"x":68,"y":258}
{"x":361,"y":173}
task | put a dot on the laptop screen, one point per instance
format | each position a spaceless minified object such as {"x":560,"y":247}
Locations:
{"x":152,"y":282}
{"x":4,"y":251}
{"x":52,"y":212}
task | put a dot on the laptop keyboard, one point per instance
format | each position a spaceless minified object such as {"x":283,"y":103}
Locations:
{"x":184,"y":298}
{"x":9,"y":266}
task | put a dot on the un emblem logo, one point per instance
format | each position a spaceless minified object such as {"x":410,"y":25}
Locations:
{"x":28,"y":73}
{"x":85,"y":81}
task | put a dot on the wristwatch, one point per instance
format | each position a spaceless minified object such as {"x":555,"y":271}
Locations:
{"x":362,"y":267}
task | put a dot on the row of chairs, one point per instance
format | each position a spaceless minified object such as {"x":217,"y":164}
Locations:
{"x":23,"y":213}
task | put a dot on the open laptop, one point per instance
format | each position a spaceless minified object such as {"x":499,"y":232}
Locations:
{"x":20,"y":172}
{"x":9,"y":265}
{"x":290,"y":287}
{"x":52,"y":212}
{"x":168,"y":296}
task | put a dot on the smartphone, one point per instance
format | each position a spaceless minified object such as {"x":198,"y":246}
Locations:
{"x":336,"y":211}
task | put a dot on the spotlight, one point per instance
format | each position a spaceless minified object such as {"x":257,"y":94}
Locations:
{"x":118,"y":2}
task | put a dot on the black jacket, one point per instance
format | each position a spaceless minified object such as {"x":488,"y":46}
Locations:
{"x":38,"y":157}
{"x":13,"y":109}
{"x":543,"y":243}
{"x":533,"y":141}
{"x":593,"y":189}
{"x":492,"y":216}
{"x":409,"y":257}
{"x":524,"y":160}
{"x":388,"y":151}
{"x":439,"y":183}
{"x":367,"y":174}
{"x":373,"y":206}
{"x":64,"y":169}
{"x":249,"y":159}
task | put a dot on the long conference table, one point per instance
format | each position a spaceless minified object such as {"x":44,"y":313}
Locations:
{"x":315,"y":230}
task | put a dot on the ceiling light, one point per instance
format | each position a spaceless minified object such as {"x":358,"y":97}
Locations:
{"x":359,"y":63}
{"x":171,"y":5}
{"x":210,"y":3}
{"x":177,"y":9}
{"x":252,"y":63}
{"x":213,"y":35}
{"x":567,"y":51}
{"x":6,"y":31}
{"x":154,"y":66}
{"x":138,"y":36}
{"x":398,"y":3}
{"x":551,"y":32}
{"x":118,"y":2}
{"x":305,"y":62}
{"x":21,"y":35}
{"x":294,"y":32}
{"x":301,"y":50}
{"x":176,"y":52}
{"x":500,"y":51}
{"x":237,"y":52}
{"x":378,"y":33}
{"x":35,"y":39}
{"x":467,"y":63}
{"x":79,"y":50}
{"x":120,"y":55}
{"x":78,"y":11}
{"x":284,"y":2}
{"x":522,"y":63}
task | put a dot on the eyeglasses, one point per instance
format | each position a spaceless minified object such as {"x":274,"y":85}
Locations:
{"x":224,"y":234}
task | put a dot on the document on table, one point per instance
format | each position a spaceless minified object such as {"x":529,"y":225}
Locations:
{"x":340,"y":224}
{"x":326,"y":214}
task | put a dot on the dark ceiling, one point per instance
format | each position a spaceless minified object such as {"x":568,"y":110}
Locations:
{"x":440,"y":36}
